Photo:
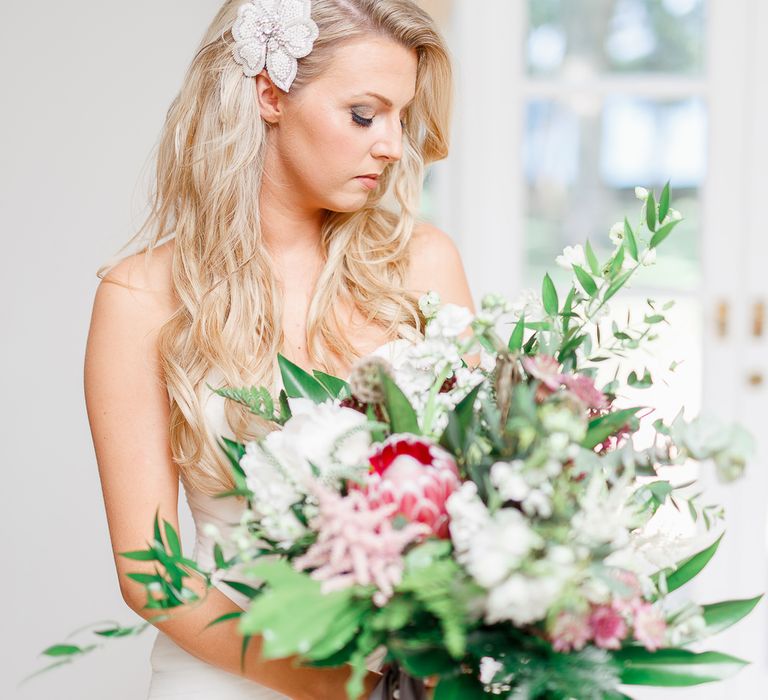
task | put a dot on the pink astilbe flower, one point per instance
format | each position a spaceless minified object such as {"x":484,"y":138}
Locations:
{"x":570,"y":631}
{"x":650,"y":626}
{"x":357,"y":544}
{"x":417,"y":476}
{"x":608,"y":626}
{"x":583,"y":387}
{"x":545,"y":368}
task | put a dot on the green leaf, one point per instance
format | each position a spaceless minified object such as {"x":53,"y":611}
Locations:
{"x":234,"y":452}
{"x":720,"y":616}
{"x":172,"y":538}
{"x":664,"y":203}
{"x":395,"y":614}
{"x":218,"y":557}
{"x":650,"y":212}
{"x":117,"y":632}
{"x":421,"y":663}
{"x":616,"y":262}
{"x":63,"y":650}
{"x":140,"y":555}
{"x":285,"y":409}
{"x":549,"y":296}
{"x":145,"y":578}
{"x":568,"y":309}
{"x":674,"y":667}
{"x":257,"y":399}
{"x":290,"y":633}
{"x":334,"y":385}
{"x":402,"y":416}
{"x":688,"y":568}
{"x":299,"y":384}
{"x":462,"y":687}
{"x":455,"y":437}
{"x":516,"y":339}
{"x":594,"y":264}
{"x":244,"y":588}
{"x":570,"y":346}
{"x":604,"y":426}
{"x":662,"y":233}
{"x":643,"y":382}
{"x":156,"y":532}
{"x":629,"y":240}
{"x":585,"y":280}
{"x":617,"y":284}
{"x":224,"y":618}
{"x":341,"y":630}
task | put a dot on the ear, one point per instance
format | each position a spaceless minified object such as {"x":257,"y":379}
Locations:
{"x":269,"y":98}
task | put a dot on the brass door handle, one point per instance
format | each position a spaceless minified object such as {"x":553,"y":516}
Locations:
{"x":721,"y":319}
{"x":758,"y":319}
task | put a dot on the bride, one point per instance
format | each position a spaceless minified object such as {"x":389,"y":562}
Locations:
{"x":268,"y":234}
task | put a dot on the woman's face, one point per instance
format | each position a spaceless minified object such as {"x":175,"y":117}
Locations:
{"x":334,"y":131}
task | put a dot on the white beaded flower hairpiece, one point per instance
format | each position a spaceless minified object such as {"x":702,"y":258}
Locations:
{"x":274,"y":33}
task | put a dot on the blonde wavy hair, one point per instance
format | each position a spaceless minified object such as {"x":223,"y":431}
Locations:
{"x":210,"y":161}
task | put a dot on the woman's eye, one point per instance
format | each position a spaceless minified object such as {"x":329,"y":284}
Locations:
{"x":365,"y":122}
{"x":361,"y":121}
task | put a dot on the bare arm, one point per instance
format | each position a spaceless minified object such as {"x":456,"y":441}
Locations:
{"x":128,"y":411}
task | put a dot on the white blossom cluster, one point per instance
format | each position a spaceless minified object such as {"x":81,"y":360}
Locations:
{"x":505,"y":556}
{"x":418,"y":366}
{"x":324,"y":441}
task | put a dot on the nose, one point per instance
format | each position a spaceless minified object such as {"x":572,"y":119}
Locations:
{"x":389,"y":147}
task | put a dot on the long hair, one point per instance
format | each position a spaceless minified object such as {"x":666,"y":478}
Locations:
{"x":209,"y":170}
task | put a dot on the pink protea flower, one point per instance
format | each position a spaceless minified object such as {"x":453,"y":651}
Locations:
{"x":650,"y":626}
{"x":357,"y":544}
{"x":417,"y":476}
{"x":545,"y":368}
{"x":570,"y":631}
{"x":608,"y":626}
{"x":583,"y":387}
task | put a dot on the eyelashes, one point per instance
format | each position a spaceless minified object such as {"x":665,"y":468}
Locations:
{"x":365,"y":123}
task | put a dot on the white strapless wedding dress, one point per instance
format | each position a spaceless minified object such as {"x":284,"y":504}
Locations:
{"x":175,"y":672}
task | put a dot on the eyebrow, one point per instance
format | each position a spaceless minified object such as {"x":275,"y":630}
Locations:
{"x":383,"y":99}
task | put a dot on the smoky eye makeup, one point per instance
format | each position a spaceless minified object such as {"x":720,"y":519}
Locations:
{"x":366,"y":122}
{"x":360,"y":120}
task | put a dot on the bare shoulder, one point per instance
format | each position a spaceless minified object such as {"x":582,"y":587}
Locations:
{"x":436,"y":265}
{"x":145,"y":277}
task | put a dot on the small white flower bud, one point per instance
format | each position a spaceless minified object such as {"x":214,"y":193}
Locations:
{"x":616,"y":234}
{"x":641,"y":193}
{"x":429,"y":304}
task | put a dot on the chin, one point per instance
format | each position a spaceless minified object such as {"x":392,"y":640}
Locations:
{"x":348,"y":205}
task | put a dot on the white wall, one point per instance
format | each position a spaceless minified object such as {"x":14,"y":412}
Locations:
{"x":85,"y":87}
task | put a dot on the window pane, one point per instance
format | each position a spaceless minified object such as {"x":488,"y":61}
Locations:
{"x":582,"y":162}
{"x":588,"y":37}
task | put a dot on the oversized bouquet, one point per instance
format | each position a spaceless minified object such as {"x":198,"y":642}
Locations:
{"x":490,"y":525}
